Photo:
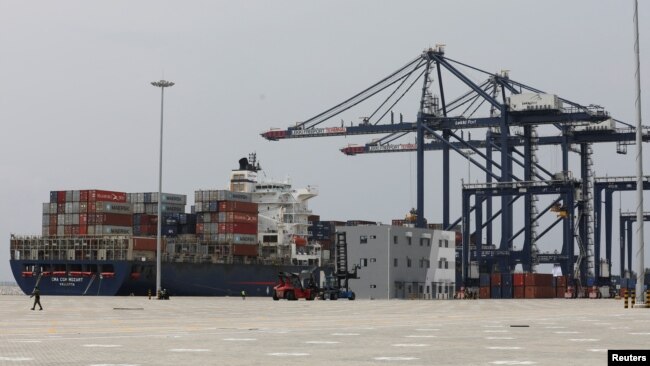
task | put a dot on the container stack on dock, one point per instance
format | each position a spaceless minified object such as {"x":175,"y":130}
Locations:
{"x":495,"y":286}
{"x":228,"y":218}
{"x":533,"y":286}
{"x":87,"y":212}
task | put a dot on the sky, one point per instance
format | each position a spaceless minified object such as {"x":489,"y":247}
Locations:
{"x":78,"y":111}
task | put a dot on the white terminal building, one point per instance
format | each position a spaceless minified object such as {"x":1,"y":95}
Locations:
{"x":399,"y":262}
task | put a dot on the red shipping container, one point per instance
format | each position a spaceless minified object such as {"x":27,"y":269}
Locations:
{"x":518,"y":291}
{"x":539,"y":292}
{"x":484,"y":293}
{"x":110,"y":219}
{"x":538,"y":279}
{"x":75,"y":230}
{"x":67,"y":230}
{"x":52,"y":230}
{"x":83,"y":229}
{"x":199,"y":228}
{"x":240,"y":217}
{"x":518,"y":280}
{"x":495,"y":279}
{"x":244,"y":250}
{"x":53,"y":219}
{"x":232,"y":206}
{"x":83,"y":196}
{"x":60,"y":197}
{"x":110,"y":196}
{"x":560,"y":281}
{"x":559,"y":292}
{"x":146,"y":244}
{"x":83,"y":219}
{"x":236,"y":228}
{"x":60,"y":208}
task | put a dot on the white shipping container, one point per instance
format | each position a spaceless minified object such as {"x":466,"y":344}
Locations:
{"x":68,"y":196}
{"x":179,"y":199}
{"x":113,"y":207}
{"x":75,"y":207}
{"x":60,"y":219}
{"x":534,"y":102}
{"x":75,"y":219}
{"x":46,"y":219}
{"x":225,"y":195}
{"x":68,"y":207}
{"x":46,"y":230}
{"x":53,"y":208}
{"x":60,"y":230}
{"x":110,"y":230}
{"x":604,"y":126}
{"x":46,"y":208}
{"x":197,"y":196}
{"x":75,"y":196}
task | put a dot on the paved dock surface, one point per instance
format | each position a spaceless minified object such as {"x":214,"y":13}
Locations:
{"x":259,"y":331}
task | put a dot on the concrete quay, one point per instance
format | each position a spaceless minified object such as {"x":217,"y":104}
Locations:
{"x":259,"y":331}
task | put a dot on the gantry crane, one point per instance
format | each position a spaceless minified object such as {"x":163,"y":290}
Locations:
{"x":579,"y":127}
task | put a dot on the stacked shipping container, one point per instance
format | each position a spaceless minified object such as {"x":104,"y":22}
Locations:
{"x":227,"y":217}
{"x":87,"y":212}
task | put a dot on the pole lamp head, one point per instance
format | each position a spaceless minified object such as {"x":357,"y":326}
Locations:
{"x":162,"y":84}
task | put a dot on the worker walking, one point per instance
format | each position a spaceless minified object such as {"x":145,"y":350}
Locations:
{"x":36,"y":294}
{"x":243,"y":294}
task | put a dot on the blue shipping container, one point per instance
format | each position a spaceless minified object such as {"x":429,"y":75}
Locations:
{"x":506,"y":279}
{"x":495,"y":292}
{"x":590,"y":281}
{"x":484,"y":279}
{"x":506,"y":291}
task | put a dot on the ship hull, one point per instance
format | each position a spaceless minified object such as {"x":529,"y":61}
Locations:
{"x":138,"y":278}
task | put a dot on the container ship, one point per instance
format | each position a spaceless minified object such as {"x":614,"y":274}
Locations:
{"x":97,"y":242}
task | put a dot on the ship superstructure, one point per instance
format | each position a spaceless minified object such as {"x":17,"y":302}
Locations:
{"x":282,"y":216}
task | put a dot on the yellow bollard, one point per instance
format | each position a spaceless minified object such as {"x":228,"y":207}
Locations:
{"x":647,"y":298}
{"x":149,"y":294}
{"x":625,"y":297}
{"x":633,"y":298}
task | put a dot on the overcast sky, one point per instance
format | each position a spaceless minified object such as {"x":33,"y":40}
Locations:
{"x":78,"y":111}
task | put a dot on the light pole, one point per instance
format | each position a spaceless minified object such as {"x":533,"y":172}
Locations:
{"x":162,"y":84}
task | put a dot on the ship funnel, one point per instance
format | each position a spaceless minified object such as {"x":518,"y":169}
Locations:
{"x":243,"y":164}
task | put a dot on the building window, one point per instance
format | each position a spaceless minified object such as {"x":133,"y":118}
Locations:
{"x":364,"y":262}
{"x":446,"y":243}
{"x":373,"y":286}
{"x":372,"y":260}
{"x":427,"y":289}
{"x":420,"y":289}
{"x":394,"y":239}
{"x":443,"y":264}
{"x":373,"y":236}
{"x":394,"y":262}
{"x":408,"y":262}
{"x":363,"y":239}
{"x":424,"y":241}
{"x":428,"y":263}
{"x":440,"y":243}
{"x":408,"y":240}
